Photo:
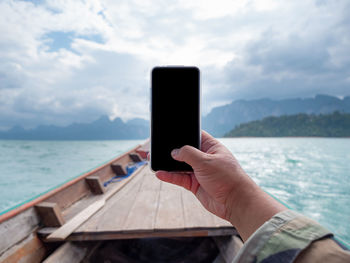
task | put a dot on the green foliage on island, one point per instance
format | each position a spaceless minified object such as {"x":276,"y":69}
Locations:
{"x":300,"y":125}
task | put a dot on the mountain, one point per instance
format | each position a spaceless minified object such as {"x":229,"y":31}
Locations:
{"x":218,"y":122}
{"x":222,"y":119}
{"x":101,"y":129}
{"x":331,"y":125}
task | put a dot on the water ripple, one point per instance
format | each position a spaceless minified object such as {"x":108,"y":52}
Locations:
{"x":311,"y":175}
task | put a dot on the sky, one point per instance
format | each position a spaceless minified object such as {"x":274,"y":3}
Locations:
{"x":64,"y":61}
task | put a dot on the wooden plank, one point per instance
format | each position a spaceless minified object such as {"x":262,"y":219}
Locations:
{"x":143,"y":213}
{"x":31,"y":249}
{"x":17,"y":228}
{"x":122,"y":183}
{"x":95,"y":185}
{"x":170,"y":212}
{"x":135,"y":157}
{"x":118,"y":169}
{"x":50,"y":214}
{"x":59,"y":193}
{"x":67,"y":253}
{"x":195,"y":214}
{"x":147,"y":207}
{"x":106,"y":173}
{"x":110,"y":235}
{"x":65,"y":230}
{"x":113,"y":215}
{"x":78,"y":206}
{"x":69,"y":195}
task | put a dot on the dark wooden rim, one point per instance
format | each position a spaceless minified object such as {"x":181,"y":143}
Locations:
{"x":41,"y":198}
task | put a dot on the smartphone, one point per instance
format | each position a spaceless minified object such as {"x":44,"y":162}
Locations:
{"x":175,"y":114}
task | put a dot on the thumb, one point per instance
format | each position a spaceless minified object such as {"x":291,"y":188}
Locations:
{"x":189,"y":154}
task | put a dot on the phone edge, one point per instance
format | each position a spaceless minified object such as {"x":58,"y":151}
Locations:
{"x":199,"y":113}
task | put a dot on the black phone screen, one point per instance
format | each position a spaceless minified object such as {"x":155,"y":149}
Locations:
{"x":175,"y":114}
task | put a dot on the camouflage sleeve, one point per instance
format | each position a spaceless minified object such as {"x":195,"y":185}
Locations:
{"x":283,"y":238}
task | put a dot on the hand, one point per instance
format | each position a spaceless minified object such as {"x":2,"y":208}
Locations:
{"x":221,"y":185}
{"x":217,"y":174}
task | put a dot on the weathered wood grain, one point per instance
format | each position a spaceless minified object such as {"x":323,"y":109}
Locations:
{"x":147,"y":207}
{"x":67,"y":253}
{"x":17,"y":228}
{"x":72,"y":191}
{"x":135,"y":157}
{"x":110,"y":235}
{"x":143,"y":213}
{"x":64,"y":231}
{"x":95,"y":185}
{"x":194,"y":213}
{"x":118,"y":169}
{"x":50,"y":214}
{"x":29,"y":250}
{"x":113,"y":215}
{"x":170,"y":211}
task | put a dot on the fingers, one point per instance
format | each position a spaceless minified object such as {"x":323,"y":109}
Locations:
{"x":187,"y":181}
{"x":189,"y":154}
{"x":179,"y":179}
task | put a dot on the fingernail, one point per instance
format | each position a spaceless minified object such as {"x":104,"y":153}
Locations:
{"x":174,"y":152}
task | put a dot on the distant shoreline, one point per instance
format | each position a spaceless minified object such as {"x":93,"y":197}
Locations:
{"x":335,"y":125}
{"x":236,"y":137}
{"x":71,"y":140}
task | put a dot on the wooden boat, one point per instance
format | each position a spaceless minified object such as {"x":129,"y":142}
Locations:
{"x":135,"y":218}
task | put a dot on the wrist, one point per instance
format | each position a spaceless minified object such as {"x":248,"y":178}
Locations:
{"x":248,"y":207}
{"x":240,"y":199}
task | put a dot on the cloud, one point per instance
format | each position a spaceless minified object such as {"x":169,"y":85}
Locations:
{"x":309,"y":57}
{"x":63,"y":61}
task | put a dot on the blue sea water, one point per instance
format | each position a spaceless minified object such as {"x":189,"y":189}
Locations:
{"x":29,"y":168}
{"x":310,"y":175}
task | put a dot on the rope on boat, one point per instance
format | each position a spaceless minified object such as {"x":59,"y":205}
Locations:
{"x":130,"y":169}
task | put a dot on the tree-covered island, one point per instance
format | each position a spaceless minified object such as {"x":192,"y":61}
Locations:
{"x":300,"y":125}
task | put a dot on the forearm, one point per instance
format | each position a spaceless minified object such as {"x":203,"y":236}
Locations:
{"x":248,"y":207}
{"x":291,"y":237}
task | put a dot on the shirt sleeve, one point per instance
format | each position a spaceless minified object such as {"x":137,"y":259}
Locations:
{"x":283,"y":238}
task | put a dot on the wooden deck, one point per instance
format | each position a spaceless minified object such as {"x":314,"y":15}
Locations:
{"x":146,"y":207}
{"x":138,"y":206}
